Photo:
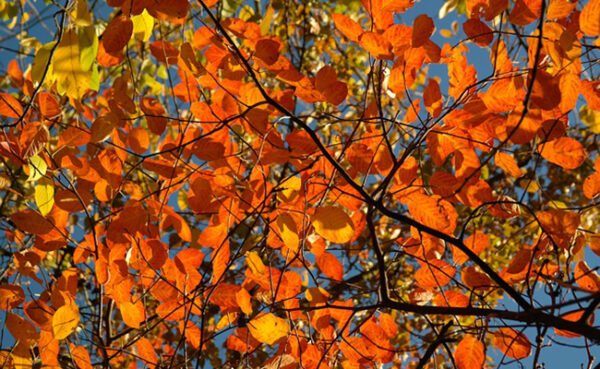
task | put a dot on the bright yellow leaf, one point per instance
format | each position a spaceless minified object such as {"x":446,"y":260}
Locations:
{"x":71,"y":78}
{"x":65,"y":321}
{"x":267,"y":328}
{"x":44,"y":196}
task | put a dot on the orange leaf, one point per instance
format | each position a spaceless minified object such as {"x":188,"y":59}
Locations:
{"x":330,"y":266}
{"x":508,"y":164}
{"x":478,"y":32}
{"x":81,"y":356}
{"x":565,"y":152}
{"x":347,"y":26}
{"x":267,"y":50}
{"x":139,"y":140}
{"x":397,"y":6}
{"x":559,"y":222}
{"x":243,"y":299}
{"x":422,"y":29}
{"x":147,"y":352}
{"x":11,"y":296}
{"x":558,"y":9}
{"x":117,"y":34}
{"x":155,"y":115}
{"x":326,"y":83}
{"x":475,"y":279}
{"x":469,"y":354}
{"x":31,"y":222}
{"x":434,"y":274}
{"x":434,"y":212}
{"x":388,"y":324}
{"x":512,"y":343}
{"x":591,"y":185}
{"x":39,"y":313}
{"x":432,"y":98}
{"x":451,"y":299}
{"x":9,"y":106}
{"x":133,"y":313}
{"x":49,"y":106}
{"x":164,"y":52}
{"x":525,"y":12}
{"x":333,"y":224}
{"x":573,"y":317}
{"x":586,"y":278}
{"x":376,"y":45}
{"x":21,"y":328}
{"x":589,"y":19}
{"x":103,"y":127}
{"x":476,"y":243}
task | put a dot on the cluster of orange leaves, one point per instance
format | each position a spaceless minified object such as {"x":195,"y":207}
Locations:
{"x":132,"y":239}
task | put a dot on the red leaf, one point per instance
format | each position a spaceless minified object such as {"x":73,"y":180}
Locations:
{"x":117,"y":34}
{"x":422,"y":29}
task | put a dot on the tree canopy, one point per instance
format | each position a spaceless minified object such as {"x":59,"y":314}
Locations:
{"x":298,"y":183}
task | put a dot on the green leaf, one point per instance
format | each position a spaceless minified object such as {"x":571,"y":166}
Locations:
{"x":88,"y":44}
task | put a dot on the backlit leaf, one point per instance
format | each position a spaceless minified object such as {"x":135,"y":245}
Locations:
{"x":470,"y":353}
{"x":66,"y":66}
{"x":268,"y":328}
{"x":512,"y":343}
{"x":65,"y":321}
{"x":565,"y":152}
{"x":333,"y":224}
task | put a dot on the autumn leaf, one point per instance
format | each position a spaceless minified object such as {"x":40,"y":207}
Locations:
{"x":268,"y":328}
{"x":469,"y":354}
{"x":20,"y":328}
{"x":67,"y":68}
{"x":512,"y":343}
{"x":589,"y":19}
{"x":333,"y":224}
{"x":65,"y":320}
{"x":117,"y":34}
{"x":434,"y":274}
{"x":347,"y":27}
{"x":565,"y":152}
{"x":9,"y":106}
{"x":11,"y":296}
{"x":133,"y":313}
{"x":422,"y":29}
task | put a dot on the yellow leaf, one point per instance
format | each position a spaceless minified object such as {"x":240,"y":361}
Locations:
{"x":290,"y":189}
{"x":267,"y":328}
{"x":44,"y":196}
{"x":255,"y":263}
{"x":590,"y":118}
{"x":333,"y":224}
{"x":37,"y":168}
{"x":40,"y":64}
{"x":65,"y":321}
{"x":69,"y":74}
{"x":83,"y":17}
{"x":142,"y":26}
{"x":288,"y":231}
